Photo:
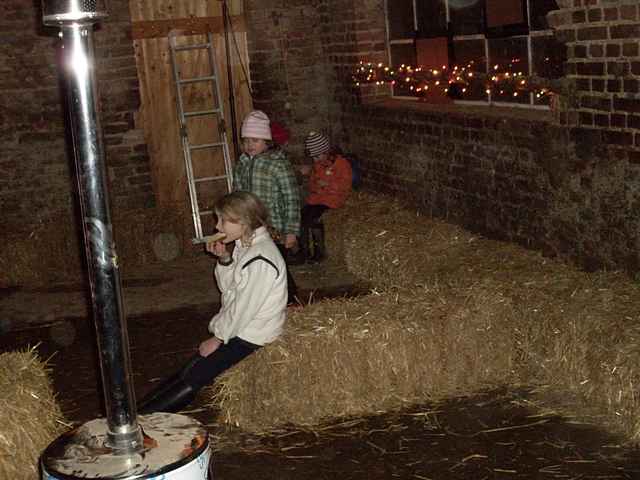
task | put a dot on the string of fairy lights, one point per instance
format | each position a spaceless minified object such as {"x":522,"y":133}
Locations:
{"x":456,"y":81}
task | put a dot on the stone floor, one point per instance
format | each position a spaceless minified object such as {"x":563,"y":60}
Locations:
{"x":158,"y":287}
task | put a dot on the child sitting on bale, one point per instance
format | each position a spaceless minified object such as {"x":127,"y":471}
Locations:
{"x":253,"y":302}
{"x":329,"y":186}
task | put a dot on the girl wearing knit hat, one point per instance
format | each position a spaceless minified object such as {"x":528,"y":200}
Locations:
{"x":329,"y":187}
{"x":267,"y":173}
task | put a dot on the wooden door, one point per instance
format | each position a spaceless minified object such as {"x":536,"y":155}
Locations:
{"x":189,"y":20}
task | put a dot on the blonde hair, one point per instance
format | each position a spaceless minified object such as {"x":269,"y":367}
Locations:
{"x":243,"y":208}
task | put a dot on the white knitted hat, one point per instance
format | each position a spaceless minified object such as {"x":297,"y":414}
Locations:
{"x":256,"y":125}
{"x":316,"y":144}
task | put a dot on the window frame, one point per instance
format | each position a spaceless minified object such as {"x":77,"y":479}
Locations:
{"x":479,"y":36}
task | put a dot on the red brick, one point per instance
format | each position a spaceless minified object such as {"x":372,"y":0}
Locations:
{"x":634,"y":156}
{"x":594,"y":14}
{"x":583,"y":84}
{"x":601,"y":120}
{"x":631,"y":86}
{"x":563,"y":118}
{"x":629,"y":12}
{"x":618,"y":69}
{"x":627,"y":104}
{"x":590,"y":68}
{"x":579,"y":16}
{"x":613,"y":50}
{"x":586,"y":119}
{"x":597,"y":85}
{"x":612,"y":137}
{"x":610,"y":14}
{"x":596,"y":103}
{"x":579,"y":51}
{"x":633,"y":121}
{"x":597,"y":50}
{"x":618,"y":120}
{"x":566,"y":35}
{"x":630,"y":49}
{"x":593,"y":33}
{"x":625,"y":31}
{"x":614,"y":85}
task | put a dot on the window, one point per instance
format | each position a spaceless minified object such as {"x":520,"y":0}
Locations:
{"x":488,"y":38}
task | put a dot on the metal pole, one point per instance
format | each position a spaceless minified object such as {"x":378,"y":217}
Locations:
{"x":75,"y":19}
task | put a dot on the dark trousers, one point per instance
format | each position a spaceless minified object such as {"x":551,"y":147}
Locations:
{"x":203,"y":370}
{"x":311,"y":214}
{"x":292,"y":288}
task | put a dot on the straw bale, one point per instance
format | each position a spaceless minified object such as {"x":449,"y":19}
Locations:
{"x":538,"y":322}
{"x":140,"y":235}
{"x":583,"y":337}
{"x":29,"y":414}
{"x":387,"y":245}
{"x":368,"y":354}
{"x":25,"y":262}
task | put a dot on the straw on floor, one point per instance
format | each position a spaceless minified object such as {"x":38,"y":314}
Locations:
{"x":29,"y":414}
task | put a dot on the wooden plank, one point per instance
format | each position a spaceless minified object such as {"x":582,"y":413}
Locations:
{"x":157,"y":115}
{"x":186,"y":26}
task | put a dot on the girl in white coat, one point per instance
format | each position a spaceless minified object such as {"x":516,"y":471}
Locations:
{"x":253,"y":285}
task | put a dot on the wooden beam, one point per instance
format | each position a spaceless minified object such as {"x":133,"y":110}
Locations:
{"x":187,"y":26}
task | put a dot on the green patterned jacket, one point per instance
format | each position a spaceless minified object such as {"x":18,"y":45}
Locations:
{"x":271,"y":178}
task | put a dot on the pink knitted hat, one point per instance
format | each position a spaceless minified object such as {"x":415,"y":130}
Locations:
{"x":256,"y":125}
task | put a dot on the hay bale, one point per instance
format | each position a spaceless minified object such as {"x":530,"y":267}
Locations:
{"x":460,"y":312}
{"x":387,"y":245}
{"x":22,"y":262}
{"x":142,"y":236}
{"x":532,"y":322}
{"x":376,"y":353}
{"x":29,"y":414}
{"x":581,"y":336}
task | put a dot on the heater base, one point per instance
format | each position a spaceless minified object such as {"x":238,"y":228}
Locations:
{"x":176,"y":447}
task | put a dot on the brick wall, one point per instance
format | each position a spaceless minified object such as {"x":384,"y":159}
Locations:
{"x":302,"y":54}
{"x":35,"y":174}
{"x":567,"y":184}
{"x":289,"y":70}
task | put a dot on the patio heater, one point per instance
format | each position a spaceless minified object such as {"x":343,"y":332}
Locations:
{"x":160,"y":445}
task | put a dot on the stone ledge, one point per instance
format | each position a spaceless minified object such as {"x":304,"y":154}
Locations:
{"x":527,"y":114}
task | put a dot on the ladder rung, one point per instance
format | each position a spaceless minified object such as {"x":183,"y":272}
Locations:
{"x":202,"y":112}
{"x":197,"y":79}
{"x":206,"y":212}
{"x":206,"y":145}
{"x":209,"y":179}
{"x":195,"y":46}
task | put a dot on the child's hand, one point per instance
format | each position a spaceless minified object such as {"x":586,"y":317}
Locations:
{"x":218,"y":249}
{"x":305,"y":169}
{"x":290,"y":240}
{"x":209,"y":346}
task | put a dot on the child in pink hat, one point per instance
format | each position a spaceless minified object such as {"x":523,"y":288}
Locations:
{"x":266,"y":172}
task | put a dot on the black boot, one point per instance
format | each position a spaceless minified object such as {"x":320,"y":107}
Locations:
{"x":319,"y":252}
{"x":171,"y":395}
{"x":304,"y":244}
{"x":172,"y":399}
